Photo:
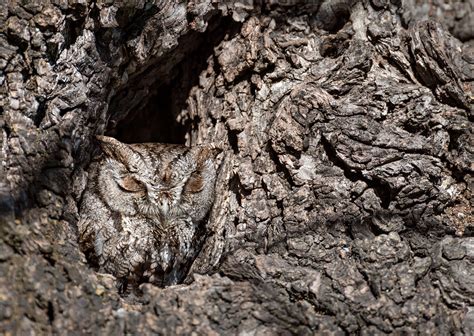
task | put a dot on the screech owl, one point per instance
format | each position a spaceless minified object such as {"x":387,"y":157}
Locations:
{"x":142,"y":212}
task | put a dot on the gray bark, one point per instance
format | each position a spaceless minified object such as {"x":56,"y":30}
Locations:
{"x":348,"y":206}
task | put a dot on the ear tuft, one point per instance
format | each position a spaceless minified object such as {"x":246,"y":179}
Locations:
{"x":209,"y":151}
{"x":110,"y":146}
{"x":119,"y":151}
{"x":106,"y":140}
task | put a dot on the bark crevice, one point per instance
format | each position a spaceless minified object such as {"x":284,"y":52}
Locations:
{"x":347,"y":204}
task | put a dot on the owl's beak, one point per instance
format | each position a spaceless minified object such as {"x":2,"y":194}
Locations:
{"x":165,"y":208}
{"x":163,"y":205}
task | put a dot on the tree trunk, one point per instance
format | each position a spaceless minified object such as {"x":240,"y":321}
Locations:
{"x":347,"y":207}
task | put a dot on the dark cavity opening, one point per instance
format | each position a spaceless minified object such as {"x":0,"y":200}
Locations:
{"x":147,"y":109}
{"x":156,"y":121}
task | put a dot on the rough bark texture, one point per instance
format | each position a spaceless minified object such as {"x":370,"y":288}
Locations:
{"x":349,"y":126}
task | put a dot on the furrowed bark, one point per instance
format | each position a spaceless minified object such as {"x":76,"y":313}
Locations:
{"x":347,"y":207}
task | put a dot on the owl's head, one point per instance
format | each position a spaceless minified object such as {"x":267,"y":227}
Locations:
{"x":159,"y":181}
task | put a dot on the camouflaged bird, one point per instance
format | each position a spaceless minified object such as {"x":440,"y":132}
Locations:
{"x":142,"y":212}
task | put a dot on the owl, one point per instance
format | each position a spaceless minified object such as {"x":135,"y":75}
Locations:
{"x":143,"y":212}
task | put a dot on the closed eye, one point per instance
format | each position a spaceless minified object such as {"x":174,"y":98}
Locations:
{"x":195,"y":183}
{"x":131,"y":184}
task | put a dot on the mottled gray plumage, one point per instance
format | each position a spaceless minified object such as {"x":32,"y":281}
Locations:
{"x":143,"y":208}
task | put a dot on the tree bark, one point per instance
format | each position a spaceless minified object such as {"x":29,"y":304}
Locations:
{"x":347,"y":207}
